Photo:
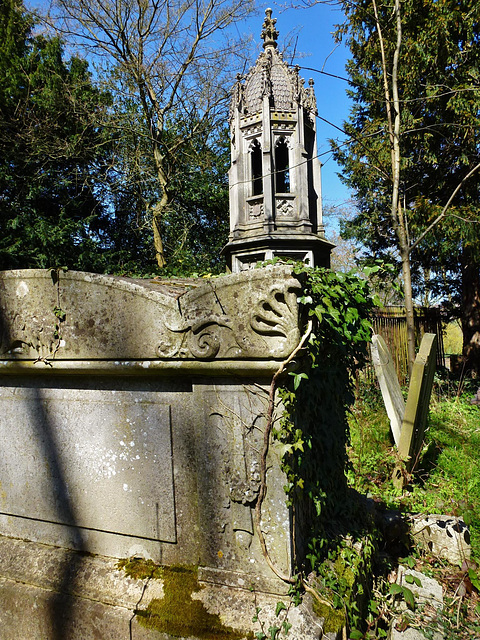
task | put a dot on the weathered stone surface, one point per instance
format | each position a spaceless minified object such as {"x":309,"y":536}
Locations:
{"x":68,"y":572}
{"x":445,"y":537}
{"x":428,"y":596}
{"x":235,"y":607}
{"x":31,"y":613}
{"x":272,"y":124}
{"x":70,"y":595}
{"x":166,"y":468}
{"x":163,"y":466}
{"x":389,"y":385}
{"x":123,"y":319}
{"x":72,"y":478}
{"x":419,"y":392}
{"x":108,"y":451}
{"x":408,"y":420}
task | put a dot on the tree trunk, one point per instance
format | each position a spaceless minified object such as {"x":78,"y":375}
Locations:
{"x":471,"y":313}
{"x":160,"y":207}
{"x":397,"y":214}
{"x":409,"y":308}
{"x":157,"y":236}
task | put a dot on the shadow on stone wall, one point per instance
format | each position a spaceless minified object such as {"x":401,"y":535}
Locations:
{"x":43,"y":432}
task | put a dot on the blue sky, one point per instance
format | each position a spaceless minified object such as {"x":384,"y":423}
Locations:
{"x":318,"y":52}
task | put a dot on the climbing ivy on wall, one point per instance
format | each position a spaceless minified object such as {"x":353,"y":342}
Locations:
{"x":313,"y":435}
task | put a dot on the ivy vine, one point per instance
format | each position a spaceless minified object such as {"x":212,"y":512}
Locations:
{"x":334,"y":554}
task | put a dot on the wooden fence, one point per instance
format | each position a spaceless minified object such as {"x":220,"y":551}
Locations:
{"x":391,"y":324}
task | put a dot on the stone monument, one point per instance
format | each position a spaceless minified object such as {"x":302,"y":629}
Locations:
{"x":133,"y":412}
{"x":275,"y":190}
{"x":131,"y":425}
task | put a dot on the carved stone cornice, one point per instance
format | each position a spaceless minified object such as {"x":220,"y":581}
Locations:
{"x":78,"y":317}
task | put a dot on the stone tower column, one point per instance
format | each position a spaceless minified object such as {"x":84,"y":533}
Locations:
{"x":275,"y":191}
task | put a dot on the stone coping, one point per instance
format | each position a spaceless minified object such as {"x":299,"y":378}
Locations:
{"x":242,"y":322}
{"x":138,"y":368}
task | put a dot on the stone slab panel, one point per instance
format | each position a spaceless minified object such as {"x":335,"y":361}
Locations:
{"x":229,"y":442}
{"x":416,"y":409}
{"x":418,"y":400}
{"x":100,"y":460}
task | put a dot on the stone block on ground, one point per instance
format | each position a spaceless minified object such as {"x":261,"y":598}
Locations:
{"x":424,"y":621}
{"x":445,"y":537}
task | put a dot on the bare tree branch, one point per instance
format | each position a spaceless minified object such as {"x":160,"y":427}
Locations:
{"x":174,"y":61}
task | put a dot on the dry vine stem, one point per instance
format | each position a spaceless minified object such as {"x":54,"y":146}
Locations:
{"x":263,"y":469}
{"x":263,"y":461}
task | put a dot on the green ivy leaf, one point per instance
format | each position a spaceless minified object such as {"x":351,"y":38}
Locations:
{"x":409,"y":598}
{"x":297,"y":378}
{"x":280,"y":607}
{"x":273,"y":632}
{"x":59,"y":313}
{"x":409,"y":579}
{"x":286,"y":627}
{"x":474,"y":579}
{"x":284,"y":449}
{"x":395,"y":589}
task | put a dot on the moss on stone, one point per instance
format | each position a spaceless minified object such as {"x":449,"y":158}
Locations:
{"x":177,"y":613}
{"x":333,"y":619}
{"x":344,"y":571}
{"x":140,"y":569}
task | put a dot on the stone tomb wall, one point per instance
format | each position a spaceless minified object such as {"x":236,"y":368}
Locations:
{"x":132,"y":414}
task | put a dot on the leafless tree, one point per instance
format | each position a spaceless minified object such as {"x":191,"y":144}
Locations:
{"x":170,"y":60}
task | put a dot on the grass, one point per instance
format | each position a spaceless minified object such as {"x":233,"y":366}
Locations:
{"x":445,"y":480}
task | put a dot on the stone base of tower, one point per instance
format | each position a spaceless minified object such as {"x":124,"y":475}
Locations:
{"x":245,"y":254}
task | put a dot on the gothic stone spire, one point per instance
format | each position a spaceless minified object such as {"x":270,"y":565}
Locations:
{"x":274,"y":177}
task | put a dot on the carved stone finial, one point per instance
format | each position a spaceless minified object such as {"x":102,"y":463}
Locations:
{"x":310,"y":100}
{"x":269,"y":32}
{"x":267,"y":87}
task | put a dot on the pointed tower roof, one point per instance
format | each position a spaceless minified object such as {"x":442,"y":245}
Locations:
{"x":273,"y":77}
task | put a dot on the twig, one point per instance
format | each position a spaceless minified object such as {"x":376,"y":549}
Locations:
{"x":263,"y":461}
{"x":445,"y":208}
{"x":314,"y":593}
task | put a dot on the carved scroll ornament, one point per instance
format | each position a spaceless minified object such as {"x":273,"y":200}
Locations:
{"x":258,"y":322}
